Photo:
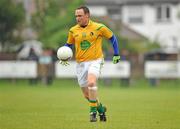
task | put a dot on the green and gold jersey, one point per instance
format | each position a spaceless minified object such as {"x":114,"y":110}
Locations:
{"x":88,"y":40}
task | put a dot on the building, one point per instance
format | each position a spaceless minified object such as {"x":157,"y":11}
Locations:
{"x":158,"y":20}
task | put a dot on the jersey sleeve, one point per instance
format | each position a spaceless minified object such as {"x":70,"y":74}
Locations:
{"x":106,"y":32}
{"x":70,"y":39}
{"x":115,"y":46}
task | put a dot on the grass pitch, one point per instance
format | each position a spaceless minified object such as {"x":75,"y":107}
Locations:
{"x":62,"y":106}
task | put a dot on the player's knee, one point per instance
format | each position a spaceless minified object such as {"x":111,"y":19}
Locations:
{"x":91,"y":84}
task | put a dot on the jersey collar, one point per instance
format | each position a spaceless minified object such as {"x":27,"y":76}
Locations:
{"x":89,"y":23}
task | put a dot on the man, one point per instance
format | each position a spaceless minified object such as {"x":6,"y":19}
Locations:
{"x":87,"y":38}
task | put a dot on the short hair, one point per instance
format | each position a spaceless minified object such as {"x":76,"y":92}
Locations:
{"x":85,"y":9}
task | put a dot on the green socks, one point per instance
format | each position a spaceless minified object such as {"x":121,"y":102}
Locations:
{"x":93,"y":105}
{"x":100,"y":108}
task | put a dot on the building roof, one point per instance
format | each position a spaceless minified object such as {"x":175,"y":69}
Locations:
{"x":129,"y":33}
{"x":129,"y":1}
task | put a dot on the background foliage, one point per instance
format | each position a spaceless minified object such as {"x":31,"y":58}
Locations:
{"x":51,"y":22}
{"x":54,"y":21}
{"x":11,"y":19}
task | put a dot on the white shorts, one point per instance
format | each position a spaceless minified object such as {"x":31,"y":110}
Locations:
{"x":84,"y":68}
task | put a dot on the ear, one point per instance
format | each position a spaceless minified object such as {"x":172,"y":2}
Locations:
{"x":88,"y":15}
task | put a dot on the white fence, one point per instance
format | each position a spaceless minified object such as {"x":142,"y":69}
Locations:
{"x":65,"y":71}
{"x":28,"y":69}
{"x":109,"y":70}
{"x":18,"y":69}
{"x":162,"y":69}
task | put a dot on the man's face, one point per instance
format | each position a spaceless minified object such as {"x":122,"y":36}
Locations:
{"x":81,"y":18}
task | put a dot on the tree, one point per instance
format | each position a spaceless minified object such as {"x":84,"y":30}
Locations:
{"x":11,"y":15}
{"x":53,"y":20}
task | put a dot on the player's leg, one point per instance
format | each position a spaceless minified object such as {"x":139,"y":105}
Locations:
{"x":100,"y":108}
{"x":82,"y":74}
{"x":92,"y":90}
{"x":85,"y":92}
{"x":93,"y":75}
{"x":92,"y":104}
{"x":102,"y":112}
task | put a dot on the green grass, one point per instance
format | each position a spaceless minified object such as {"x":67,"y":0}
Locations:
{"x":62,"y":106}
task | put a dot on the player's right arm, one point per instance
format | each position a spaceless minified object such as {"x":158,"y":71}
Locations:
{"x":70,"y":40}
{"x":69,"y":43}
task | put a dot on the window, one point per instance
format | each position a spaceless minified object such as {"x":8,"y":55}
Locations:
{"x":115,"y":13}
{"x":163,"y":13}
{"x":135,"y":14}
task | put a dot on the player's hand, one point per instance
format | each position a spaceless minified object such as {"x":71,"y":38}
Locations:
{"x":64,"y":62}
{"x":116,"y":59}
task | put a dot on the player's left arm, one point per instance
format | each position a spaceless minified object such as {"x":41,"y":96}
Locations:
{"x":115,"y":46}
{"x":106,"y":32}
